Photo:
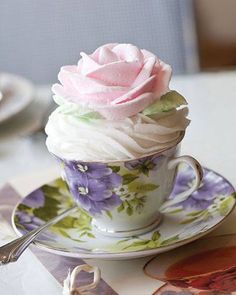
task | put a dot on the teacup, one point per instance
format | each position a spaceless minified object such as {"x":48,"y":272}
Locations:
{"x":125,"y":197}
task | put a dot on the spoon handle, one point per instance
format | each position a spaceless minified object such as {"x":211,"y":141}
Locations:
{"x":13,"y":250}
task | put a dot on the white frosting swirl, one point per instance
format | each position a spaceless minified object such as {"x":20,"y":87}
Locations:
{"x":72,"y":138}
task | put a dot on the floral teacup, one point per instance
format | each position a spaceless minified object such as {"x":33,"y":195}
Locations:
{"x":125,"y":197}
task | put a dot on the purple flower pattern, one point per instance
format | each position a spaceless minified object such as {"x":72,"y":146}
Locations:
{"x":91,"y":170}
{"x":202,"y":198}
{"x":29,"y":222}
{"x":36,"y":199}
{"x":144,"y":165}
{"x":92,"y":185}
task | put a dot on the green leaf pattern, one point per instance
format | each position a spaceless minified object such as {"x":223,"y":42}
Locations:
{"x":75,"y":110}
{"x":166,"y":103}
{"x":77,"y":227}
{"x":137,"y":244}
{"x":133,"y":191}
{"x":221,"y":204}
{"x":79,"y":221}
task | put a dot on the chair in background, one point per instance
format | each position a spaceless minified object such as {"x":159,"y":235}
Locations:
{"x":37,"y":37}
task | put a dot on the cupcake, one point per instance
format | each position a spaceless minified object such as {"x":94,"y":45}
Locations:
{"x":115,"y":111}
{"x":115,"y":104}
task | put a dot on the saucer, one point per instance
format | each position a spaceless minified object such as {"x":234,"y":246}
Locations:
{"x":17,"y":95}
{"x":74,"y":236}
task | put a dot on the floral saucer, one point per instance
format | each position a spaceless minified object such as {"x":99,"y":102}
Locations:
{"x":74,"y":236}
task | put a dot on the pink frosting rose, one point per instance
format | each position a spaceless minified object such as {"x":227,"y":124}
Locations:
{"x":117,"y":80}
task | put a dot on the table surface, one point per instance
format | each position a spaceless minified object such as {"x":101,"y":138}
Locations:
{"x":210,"y":138}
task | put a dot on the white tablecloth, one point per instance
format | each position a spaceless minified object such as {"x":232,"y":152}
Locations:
{"x":210,"y":138}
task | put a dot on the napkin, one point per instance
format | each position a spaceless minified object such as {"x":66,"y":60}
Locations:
{"x":36,"y":268}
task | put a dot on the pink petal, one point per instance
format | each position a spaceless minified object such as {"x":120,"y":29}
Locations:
{"x":78,"y":85}
{"x":95,"y":54}
{"x":89,"y":100}
{"x":59,"y":90}
{"x":147,"y":54}
{"x":163,"y":73}
{"x":128,"y":109}
{"x":146,"y":86}
{"x":63,"y":91}
{"x":84,"y":90}
{"x":63,"y":76}
{"x":128,"y":52}
{"x":81,"y":83}
{"x":80,"y":64}
{"x":146,"y":71}
{"x":88,"y":64}
{"x":70,"y":68}
{"x":96,"y":99}
{"x":117,"y":74}
{"x":106,"y":56}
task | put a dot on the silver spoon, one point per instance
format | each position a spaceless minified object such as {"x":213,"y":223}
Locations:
{"x":13,"y":250}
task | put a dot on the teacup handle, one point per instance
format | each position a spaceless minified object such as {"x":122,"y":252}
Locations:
{"x":195,"y":165}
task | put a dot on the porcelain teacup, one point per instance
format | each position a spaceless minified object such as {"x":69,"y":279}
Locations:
{"x":125,"y":197}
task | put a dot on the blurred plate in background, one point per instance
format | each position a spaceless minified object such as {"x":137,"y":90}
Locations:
{"x":17,"y":93}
